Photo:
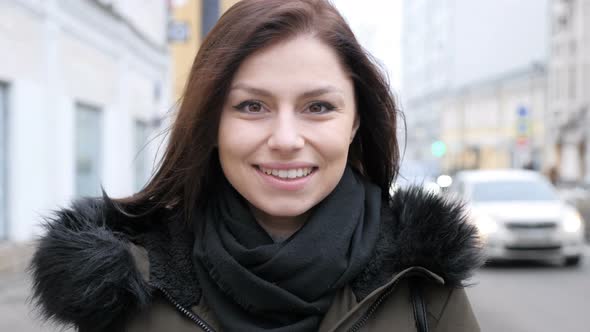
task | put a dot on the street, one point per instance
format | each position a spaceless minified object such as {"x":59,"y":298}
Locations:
{"x":532,"y":297}
{"x":15,"y":313}
{"x":506,"y":298}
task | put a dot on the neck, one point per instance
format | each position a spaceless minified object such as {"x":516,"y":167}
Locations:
{"x":279,"y":228}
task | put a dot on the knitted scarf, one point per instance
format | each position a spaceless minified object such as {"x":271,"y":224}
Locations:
{"x":255,"y":284}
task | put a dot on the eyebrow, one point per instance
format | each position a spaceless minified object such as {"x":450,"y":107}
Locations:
{"x":308,"y":94}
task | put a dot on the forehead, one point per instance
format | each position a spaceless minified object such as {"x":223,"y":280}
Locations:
{"x":294,"y":63}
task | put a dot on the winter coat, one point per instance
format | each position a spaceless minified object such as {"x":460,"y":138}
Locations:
{"x":99,"y":270}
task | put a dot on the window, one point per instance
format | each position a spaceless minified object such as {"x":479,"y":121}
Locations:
{"x":563,"y":80}
{"x":88,"y":150}
{"x":572,"y":82}
{"x":3,"y":158}
{"x":513,"y":190}
{"x":210,"y":14}
{"x":141,"y":162}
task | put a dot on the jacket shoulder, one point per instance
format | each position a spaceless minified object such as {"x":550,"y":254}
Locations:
{"x":449,"y":309}
{"x":84,"y":270}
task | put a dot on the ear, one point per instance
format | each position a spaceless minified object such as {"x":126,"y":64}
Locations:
{"x":355,"y":127}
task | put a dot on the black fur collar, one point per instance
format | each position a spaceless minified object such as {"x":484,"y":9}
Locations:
{"x":83,"y":271}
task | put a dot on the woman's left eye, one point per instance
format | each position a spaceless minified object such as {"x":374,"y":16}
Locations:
{"x":320,"y":108}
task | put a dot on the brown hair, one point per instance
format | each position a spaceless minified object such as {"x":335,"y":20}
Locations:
{"x":190,"y":166}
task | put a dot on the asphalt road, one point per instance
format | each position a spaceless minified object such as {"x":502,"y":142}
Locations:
{"x":506,"y":298}
{"x":532,"y":297}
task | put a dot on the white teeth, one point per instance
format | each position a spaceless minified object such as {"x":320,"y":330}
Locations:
{"x":287,"y":173}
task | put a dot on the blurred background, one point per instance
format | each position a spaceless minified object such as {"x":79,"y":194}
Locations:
{"x":87,"y":88}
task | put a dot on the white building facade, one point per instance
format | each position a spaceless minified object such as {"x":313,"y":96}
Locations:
{"x":569,"y":90}
{"x":449,"y":45}
{"x":82,"y":87}
{"x":496,"y":123}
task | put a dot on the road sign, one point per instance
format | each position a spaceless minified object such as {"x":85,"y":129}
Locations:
{"x":523,"y":126}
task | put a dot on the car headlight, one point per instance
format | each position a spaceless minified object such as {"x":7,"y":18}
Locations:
{"x":486,"y":224}
{"x":572,"y":222}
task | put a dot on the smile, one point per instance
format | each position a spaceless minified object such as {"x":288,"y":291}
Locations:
{"x":286,"y":174}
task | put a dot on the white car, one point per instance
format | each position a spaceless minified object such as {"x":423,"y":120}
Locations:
{"x":520,"y":216}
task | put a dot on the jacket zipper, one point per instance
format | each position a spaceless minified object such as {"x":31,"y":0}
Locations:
{"x":189,"y":314}
{"x":365,"y":317}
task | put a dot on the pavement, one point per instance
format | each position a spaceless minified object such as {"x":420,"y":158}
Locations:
{"x":15,"y":256}
{"x":528,"y":296}
{"x":16,"y":312}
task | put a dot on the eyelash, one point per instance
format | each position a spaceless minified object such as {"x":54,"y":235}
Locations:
{"x":241,"y":106}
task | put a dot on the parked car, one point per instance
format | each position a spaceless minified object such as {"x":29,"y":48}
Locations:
{"x":520,"y":216}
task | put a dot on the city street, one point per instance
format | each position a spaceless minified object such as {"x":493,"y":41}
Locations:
{"x":532,"y":297}
{"x":506,"y":298}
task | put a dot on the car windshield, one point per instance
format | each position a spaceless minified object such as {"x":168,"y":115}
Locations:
{"x":513,"y":190}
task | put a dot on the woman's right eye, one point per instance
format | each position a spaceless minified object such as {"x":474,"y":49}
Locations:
{"x":250,"y":106}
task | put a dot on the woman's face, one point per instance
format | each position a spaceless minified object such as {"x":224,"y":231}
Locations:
{"x":286,"y":127}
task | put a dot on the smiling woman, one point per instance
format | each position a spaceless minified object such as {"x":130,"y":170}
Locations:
{"x":292,"y":120}
{"x":270,"y":210}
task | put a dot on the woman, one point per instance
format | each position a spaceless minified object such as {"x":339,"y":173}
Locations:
{"x":270,"y":210}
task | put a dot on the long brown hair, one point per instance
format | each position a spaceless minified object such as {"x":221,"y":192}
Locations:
{"x":190,"y":167}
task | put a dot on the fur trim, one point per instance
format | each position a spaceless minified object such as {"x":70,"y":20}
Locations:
{"x":434,"y":232}
{"x":423,"y":229}
{"x":83,"y":272}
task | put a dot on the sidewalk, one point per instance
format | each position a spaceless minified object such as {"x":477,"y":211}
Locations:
{"x":16,"y":313}
{"x":14,"y":257}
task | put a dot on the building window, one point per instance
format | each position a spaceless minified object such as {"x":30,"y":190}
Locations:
{"x":210,"y":14}
{"x":141,"y":162}
{"x":572,"y":82}
{"x":563,"y":83}
{"x":88,"y":150}
{"x":3,"y":159}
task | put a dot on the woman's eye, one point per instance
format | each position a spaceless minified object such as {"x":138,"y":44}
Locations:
{"x":249,"y":107}
{"x":320,"y":108}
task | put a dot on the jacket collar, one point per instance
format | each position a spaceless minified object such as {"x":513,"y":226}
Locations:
{"x":92,"y":239}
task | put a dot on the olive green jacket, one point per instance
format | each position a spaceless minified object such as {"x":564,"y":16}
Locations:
{"x":99,"y":270}
{"x":448,"y":310}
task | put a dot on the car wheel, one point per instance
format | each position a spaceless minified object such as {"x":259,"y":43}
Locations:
{"x":572,"y":261}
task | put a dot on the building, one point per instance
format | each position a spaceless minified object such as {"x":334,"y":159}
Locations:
{"x":448,"y":45}
{"x":191,"y":21}
{"x":569,"y":90}
{"x":496,"y":123}
{"x":83,"y":85}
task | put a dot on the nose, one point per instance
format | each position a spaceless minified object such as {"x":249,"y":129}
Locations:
{"x":285,"y":135}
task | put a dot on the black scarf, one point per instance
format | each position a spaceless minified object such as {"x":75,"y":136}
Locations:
{"x":254,"y":284}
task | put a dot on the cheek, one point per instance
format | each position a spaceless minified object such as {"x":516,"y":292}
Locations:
{"x":233,"y":138}
{"x":229,"y":148}
{"x":333,"y":142}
